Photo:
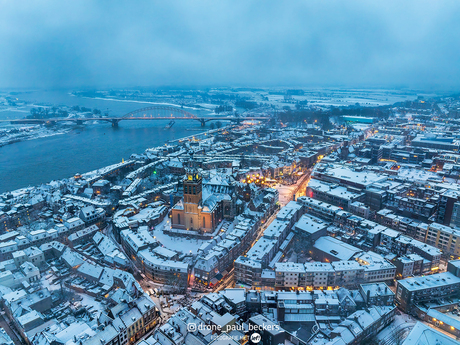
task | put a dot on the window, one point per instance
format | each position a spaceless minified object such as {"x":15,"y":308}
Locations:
{"x":178,"y":219}
{"x":204,"y":222}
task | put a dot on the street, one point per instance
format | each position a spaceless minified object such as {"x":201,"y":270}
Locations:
{"x":286,"y":192}
{"x":4,"y":323}
{"x":229,"y":280}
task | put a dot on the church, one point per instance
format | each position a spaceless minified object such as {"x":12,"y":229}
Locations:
{"x":205,"y":204}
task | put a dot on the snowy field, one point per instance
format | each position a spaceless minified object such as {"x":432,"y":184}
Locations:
{"x":285,"y":193}
{"x":182,"y":244}
{"x":399,"y":329}
{"x":46,"y":281}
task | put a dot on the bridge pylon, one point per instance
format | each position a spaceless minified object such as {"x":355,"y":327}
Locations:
{"x":203,"y":122}
{"x":115,"y":123}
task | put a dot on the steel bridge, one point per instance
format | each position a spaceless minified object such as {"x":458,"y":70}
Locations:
{"x":156,"y":112}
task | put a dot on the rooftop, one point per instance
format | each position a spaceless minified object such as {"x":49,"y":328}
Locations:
{"x":428,"y":282}
{"x":336,"y":248}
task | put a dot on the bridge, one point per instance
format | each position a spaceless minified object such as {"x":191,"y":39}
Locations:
{"x":156,"y":112}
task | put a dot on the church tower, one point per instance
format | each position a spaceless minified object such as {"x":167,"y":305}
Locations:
{"x":192,"y":196}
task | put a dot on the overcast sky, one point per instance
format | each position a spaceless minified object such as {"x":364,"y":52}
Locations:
{"x":60,"y":44}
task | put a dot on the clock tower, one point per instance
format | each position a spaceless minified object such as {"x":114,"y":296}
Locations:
{"x":192,"y":187}
{"x":192,"y":196}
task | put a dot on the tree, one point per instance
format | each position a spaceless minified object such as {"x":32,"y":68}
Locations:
{"x":218,"y":124}
{"x":63,"y":113}
{"x":245,"y":104}
{"x":325,"y":122}
{"x":212,"y":125}
{"x":174,"y":281}
{"x":33,"y":113}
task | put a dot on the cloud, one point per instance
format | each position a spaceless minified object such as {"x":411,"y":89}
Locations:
{"x":56,"y":44}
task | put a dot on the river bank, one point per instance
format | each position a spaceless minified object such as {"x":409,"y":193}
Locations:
{"x":51,"y":156}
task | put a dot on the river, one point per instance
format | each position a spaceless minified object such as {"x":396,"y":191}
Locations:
{"x":84,"y":148}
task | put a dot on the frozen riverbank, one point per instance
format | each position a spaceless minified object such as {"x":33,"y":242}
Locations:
{"x":11,"y":135}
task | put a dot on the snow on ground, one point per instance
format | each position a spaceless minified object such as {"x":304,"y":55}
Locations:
{"x":403,"y":323}
{"x":173,"y":309}
{"x":360,"y":126}
{"x":80,"y":298}
{"x":336,"y":97}
{"x":90,"y":301}
{"x":47,"y":283}
{"x":285,"y":193}
{"x":176,"y":243}
{"x":29,"y":133}
{"x":207,"y":105}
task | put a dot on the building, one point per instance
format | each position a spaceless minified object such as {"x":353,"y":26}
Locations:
{"x":271,"y":333}
{"x":134,"y":242}
{"x":319,"y":208}
{"x":334,"y":194}
{"x":203,"y":206}
{"x":411,"y":291}
{"x":404,"y":266}
{"x":423,"y":334}
{"x":90,"y":215}
{"x":310,"y":228}
{"x":5,"y":338}
{"x":330,"y":249}
{"x":289,"y":275}
{"x":445,"y":238}
{"x":174,"y":274}
{"x":357,"y":178}
{"x":446,"y":204}
{"x":453,"y":267}
{"x":377,"y":294}
{"x":433,"y":141}
{"x":319,"y":275}
{"x":376,"y":268}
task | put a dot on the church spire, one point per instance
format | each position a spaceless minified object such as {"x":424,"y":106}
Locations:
{"x":191,"y":169}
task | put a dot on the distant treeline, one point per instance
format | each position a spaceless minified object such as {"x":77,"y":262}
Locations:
{"x":310,"y":116}
{"x":322,"y":117}
{"x":48,"y":113}
{"x":86,"y":110}
{"x":356,"y":110}
{"x":242,"y":103}
{"x":223,"y":108}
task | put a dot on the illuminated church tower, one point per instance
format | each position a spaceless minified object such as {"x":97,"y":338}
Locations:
{"x":192,"y":196}
{"x":193,"y":212}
